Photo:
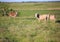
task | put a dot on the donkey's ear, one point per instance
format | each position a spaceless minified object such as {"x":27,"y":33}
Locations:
{"x":37,"y":15}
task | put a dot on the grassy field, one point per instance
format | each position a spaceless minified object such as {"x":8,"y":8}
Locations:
{"x":26,"y":28}
{"x":35,"y":6}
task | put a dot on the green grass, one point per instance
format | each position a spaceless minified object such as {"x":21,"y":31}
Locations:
{"x":26,"y":28}
{"x":31,"y":13}
{"x":31,"y":6}
{"x":34,"y":6}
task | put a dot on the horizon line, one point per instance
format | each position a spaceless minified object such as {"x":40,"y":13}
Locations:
{"x":30,"y":1}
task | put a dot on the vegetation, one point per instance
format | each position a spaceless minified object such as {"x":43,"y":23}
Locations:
{"x":35,"y":6}
{"x":26,"y":28}
{"x":3,"y":9}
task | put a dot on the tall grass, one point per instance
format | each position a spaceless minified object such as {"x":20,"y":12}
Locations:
{"x":28,"y":30}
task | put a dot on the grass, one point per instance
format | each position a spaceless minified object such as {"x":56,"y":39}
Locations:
{"x":26,"y":28}
{"x":34,"y":6}
{"x":31,"y":13}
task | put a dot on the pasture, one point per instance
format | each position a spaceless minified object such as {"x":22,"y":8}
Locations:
{"x":26,"y":28}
